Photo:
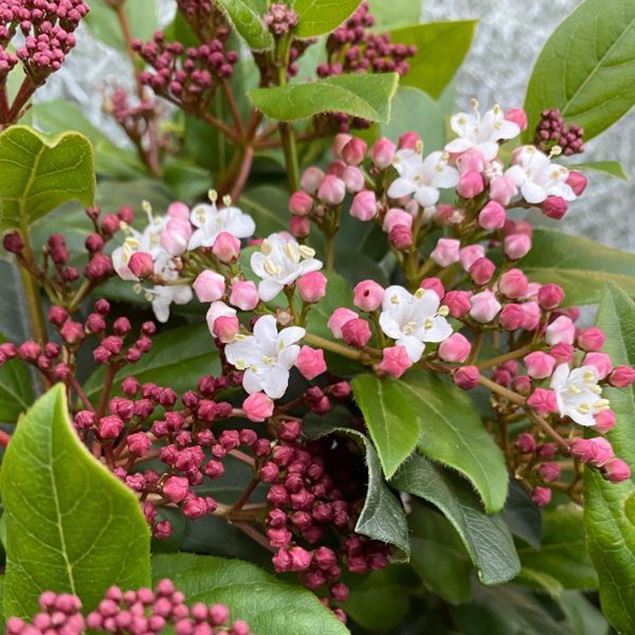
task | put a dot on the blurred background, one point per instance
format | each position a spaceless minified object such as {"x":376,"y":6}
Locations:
{"x":507,"y":41}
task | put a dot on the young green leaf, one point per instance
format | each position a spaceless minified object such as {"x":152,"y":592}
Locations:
{"x":269,"y":605}
{"x":486,"y":537}
{"x":587,"y":68}
{"x":71,"y":525}
{"x":579,"y":265}
{"x":610,"y":532}
{"x":389,"y":15}
{"x":366,"y":96}
{"x":248,"y":23}
{"x":39,"y":173}
{"x":104,"y":25}
{"x":318,"y":17}
{"x":612,"y":168}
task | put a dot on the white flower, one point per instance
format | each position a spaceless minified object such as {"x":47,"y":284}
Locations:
{"x":266,"y":356}
{"x":420,"y":177}
{"x":162,"y":296}
{"x":577,"y":393}
{"x":537,"y":177}
{"x":148,"y":241}
{"x":210,"y":221}
{"x":280,"y":262}
{"x":481,"y":133}
{"x":412,"y":320}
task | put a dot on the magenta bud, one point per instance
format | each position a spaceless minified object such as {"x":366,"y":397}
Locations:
{"x":466,"y":377}
{"x":554,"y":207}
{"x":299,"y":226}
{"x":526,"y":443}
{"x":300,"y":203}
{"x":517,"y":116}
{"x":591,"y":339}
{"x":458,"y":302}
{"x":616,"y":471}
{"x":400,"y":237}
{"x":312,"y":286}
{"x":110,"y":427}
{"x":354,"y":151}
{"x":176,"y":488}
{"x":482,"y":271}
{"x":141,"y":264}
{"x":577,"y":182}
{"x":13,"y":242}
{"x":622,"y":376}
{"x":541,"y":496}
{"x":543,"y":401}
{"x":356,"y":333}
{"x":550,"y":296}
{"x":513,"y":284}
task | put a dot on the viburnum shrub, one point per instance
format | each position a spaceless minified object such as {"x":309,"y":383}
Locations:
{"x":306,"y":358}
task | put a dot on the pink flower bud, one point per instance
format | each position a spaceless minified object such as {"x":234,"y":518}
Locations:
{"x":485,"y":306}
{"x":512,"y":317}
{"x":513,"y":284}
{"x":541,"y":496}
{"x":470,"y":254}
{"x":225,"y":328}
{"x":596,"y":451}
{"x":310,"y":362}
{"x":471,"y":160}
{"x":176,"y":488}
{"x":446,"y":252}
{"x":356,"y":332}
{"x":409,"y":140}
{"x":531,"y":315}
{"x":600,"y":361}
{"x":244,"y":295}
{"x":455,"y":349}
{"x":299,"y":226}
{"x":72,"y":332}
{"x":458,"y":302}
{"x":482,"y":271}
{"x":605,"y":421}
{"x":354,"y":151}
{"x":549,"y":472}
{"x":139,"y":444}
{"x":517,"y":116}
{"x":554,"y":207}
{"x":338,"y":319}
{"x":300,"y":203}
{"x":466,"y":377}
{"x":470,"y":184}
{"x":179,"y":209}
{"x":141,"y":264}
{"x":382,"y":153}
{"x":300,"y":559}
{"x":622,"y":376}
{"x":353,"y":178}
{"x":57,"y":315}
{"x":395,"y":361}
{"x":364,"y":206}
{"x":176,"y":235}
{"x":394,"y":217}
{"x":543,"y":401}
{"x":539,"y":365}
{"x":209,"y":286}
{"x":226,"y":247}
{"x":311,"y":179}
{"x":591,"y":339}
{"x":577,"y":182}
{"x":368,"y":295}
{"x":332,"y":190}
{"x":616,"y":471}
{"x":560,"y":331}
{"x":492,"y":216}
{"x":526,"y":443}
{"x":502,"y":189}
{"x":562,"y":353}
{"x":339,"y":143}
{"x":110,"y":427}
{"x":550,"y":296}
{"x":258,"y":407}
{"x":517,"y":246}
{"x":400,"y":237}
{"x":435,"y":285}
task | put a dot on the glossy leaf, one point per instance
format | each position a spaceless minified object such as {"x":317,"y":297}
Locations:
{"x":248,"y":23}
{"x":366,"y":96}
{"x":71,"y":525}
{"x":16,"y":393}
{"x":587,"y":68}
{"x":318,"y":17}
{"x":579,"y":265}
{"x":103,"y":23}
{"x":612,"y":168}
{"x":486,"y":537}
{"x":610,"y":533}
{"x":441,"y":49}
{"x":389,"y":15}
{"x":39,"y":173}
{"x":268,"y":604}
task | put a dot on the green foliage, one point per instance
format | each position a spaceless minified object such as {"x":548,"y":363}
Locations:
{"x":587,"y":68}
{"x":39,"y":173}
{"x":16,"y":393}
{"x":318,"y":17}
{"x":522,"y":516}
{"x":389,"y":15}
{"x":71,"y":525}
{"x":366,"y":96}
{"x":611,"y":168}
{"x":247,"y":22}
{"x":104,"y":25}
{"x":267,"y":603}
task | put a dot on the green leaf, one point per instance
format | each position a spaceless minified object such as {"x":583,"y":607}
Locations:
{"x":268,"y":206}
{"x":103,"y":23}
{"x":612,"y":168}
{"x":71,"y":525}
{"x":16,"y":393}
{"x":318,"y":17}
{"x":610,"y":534}
{"x":39,"y":173}
{"x":441,"y":49}
{"x":269,"y":605}
{"x":366,"y":96}
{"x":579,"y":265}
{"x":453,"y":434}
{"x":486,"y":537}
{"x":391,"y":422}
{"x":166,"y":364}
{"x":587,"y":68}
{"x":248,"y":23}
{"x":389,"y":15}
{"x":562,"y":554}
{"x":584,"y":618}
{"x":522,"y":516}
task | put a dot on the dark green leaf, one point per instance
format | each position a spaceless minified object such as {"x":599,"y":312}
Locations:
{"x":104,"y":25}
{"x":612,"y":168}
{"x":522,"y":516}
{"x":16,"y":393}
{"x":71,"y":525}
{"x":318,"y":17}
{"x":584,"y":618}
{"x":248,"y":23}
{"x":268,"y":206}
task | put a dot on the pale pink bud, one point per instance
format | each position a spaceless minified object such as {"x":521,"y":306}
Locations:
{"x":396,"y":216}
{"x":550,"y":296}
{"x":470,"y":184}
{"x":458,"y":303}
{"x":395,"y":361}
{"x":543,"y":401}
{"x":435,"y":284}
{"x":368,"y":295}
{"x":209,"y":286}
{"x":338,"y":319}
{"x":311,"y":179}
{"x":332,"y":190}
{"x":382,"y":153}
{"x":605,"y":421}
{"x":455,"y":349}
{"x":622,"y":376}
{"x":616,"y":471}
{"x":513,"y":284}
{"x":517,"y":246}
{"x":258,"y":407}
{"x":562,"y":353}
{"x":539,"y":365}
{"x":446,"y":252}
{"x":244,"y":295}
{"x":141,"y":264}
{"x":444,"y":214}
{"x":356,"y":332}
{"x":466,"y":377}
{"x":300,"y":203}
{"x":512,"y":317}
{"x":492,"y":216}
{"x":364,"y":206}
{"x":180,"y":210}
{"x":471,"y":160}
{"x":353,"y":178}
{"x":354,"y":151}
{"x":470,"y":254}
{"x":226,"y":328}
{"x":310,"y":362}
{"x":300,"y":226}
{"x":561,"y":330}
{"x":541,"y":496}
{"x":176,"y":235}
{"x":339,"y":143}
{"x":400,"y":237}
{"x":531,"y":315}
{"x":554,"y":207}
{"x":517,"y":116}
{"x":591,"y":339}
{"x":312,"y":286}
{"x":600,"y":361}
{"x":502,"y":189}
{"x":485,"y":306}
{"x":577,"y":182}
{"x":226,"y":247}
{"x":409,"y":140}
{"x":482,"y":271}
{"x":176,"y":488}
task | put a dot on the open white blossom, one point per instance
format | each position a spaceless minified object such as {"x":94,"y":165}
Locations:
{"x":411,"y":320}
{"x":210,"y":221}
{"x":422,"y":178}
{"x":481,"y":133}
{"x":537,"y":177}
{"x":578,"y":394}
{"x":280,"y":262}
{"x":162,"y":296}
{"x":266,"y":356}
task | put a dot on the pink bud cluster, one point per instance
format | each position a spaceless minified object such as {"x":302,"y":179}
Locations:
{"x":552,"y":131}
{"x":280,"y":19}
